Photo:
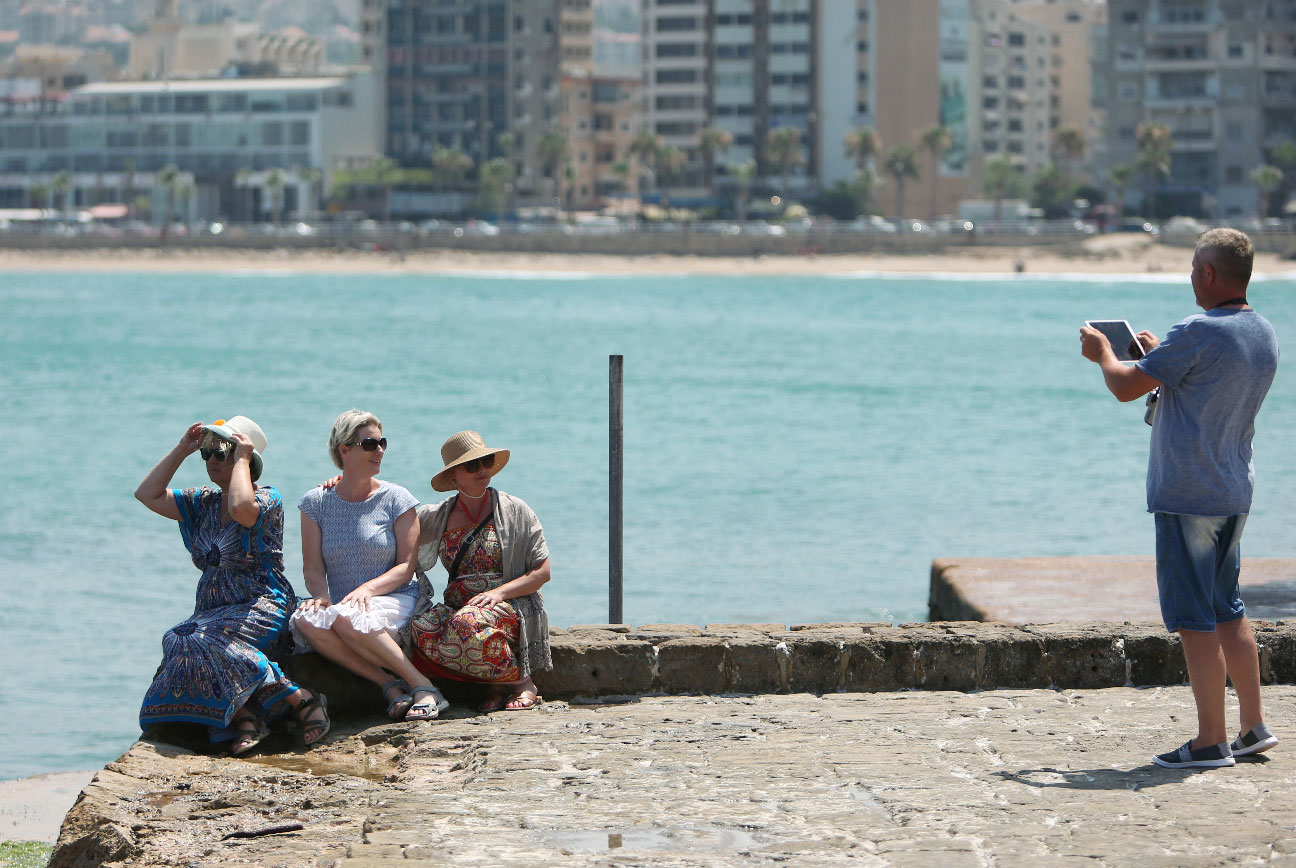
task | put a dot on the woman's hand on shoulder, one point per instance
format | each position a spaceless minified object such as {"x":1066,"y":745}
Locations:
{"x":331,"y":483}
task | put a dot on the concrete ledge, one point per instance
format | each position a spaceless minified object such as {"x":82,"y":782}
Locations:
{"x":1088,"y":589}
{"x":593,"y":662}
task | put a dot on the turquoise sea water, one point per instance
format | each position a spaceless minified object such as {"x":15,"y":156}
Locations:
{"x":797,"y":449}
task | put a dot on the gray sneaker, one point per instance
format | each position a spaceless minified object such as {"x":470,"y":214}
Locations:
{"x":1258,"y":740}
{"x":1211,"y":757}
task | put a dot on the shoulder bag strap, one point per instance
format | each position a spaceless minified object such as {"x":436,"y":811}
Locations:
{"x":463,"y":546}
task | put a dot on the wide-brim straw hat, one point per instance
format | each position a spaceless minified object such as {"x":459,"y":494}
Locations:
{"x":225,"y":429}
{"x":460,"y":449}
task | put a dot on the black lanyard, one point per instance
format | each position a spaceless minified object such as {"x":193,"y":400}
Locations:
{"x":1239,"y":300}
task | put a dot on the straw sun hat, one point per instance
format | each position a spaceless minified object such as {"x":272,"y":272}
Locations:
{"x":460,"y":449}
{"x":225,"y":429}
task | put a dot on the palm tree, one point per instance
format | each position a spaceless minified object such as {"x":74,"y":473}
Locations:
{"x":711,"y":141}
{"x":784,"y":151}
{"x":1283,"y":155}
{"x":1267,"y":179}
{"x":999,"y":176}
{"x":644,"y":147}
{"x":449,"y":167}
{"x":1068,"y":146}
{"x":670,"y":160}
{"x":275,"y":181}
{"x":385,"y":173}
{"x":38,"y":195}
{"x":508,"y":147}
{"x":129,"y":193}
{"x":863,"y":144}
{"x":493,"y":182}
{"x":901,"y":164}
{"x":936,"y":141}
{"x":1120,"y":176}
{"x":743,"y":173}
{"x":243,"y":180}
{"x":865,"y":183}
{"x":1153,"y":142}
{"x":62,"y":187}
{"x":311,"y":177}
{"x":168,"y":179}
{"x":621,"y":168}
{"x":551,"y":147}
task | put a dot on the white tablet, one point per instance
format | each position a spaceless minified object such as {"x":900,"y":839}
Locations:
{"x":1120,"y":336}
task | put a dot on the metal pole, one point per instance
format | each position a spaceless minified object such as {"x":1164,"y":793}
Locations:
{"x":615,"y":462}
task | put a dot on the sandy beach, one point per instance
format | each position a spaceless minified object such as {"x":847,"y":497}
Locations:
{"x":32,"y":809}
{"x":1103,"y":255}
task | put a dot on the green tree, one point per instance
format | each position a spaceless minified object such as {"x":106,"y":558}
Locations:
{"x":670,"y":162}
{"x":449,"y":167}
{"x":551,"y":147}
{"x":743,"y":174}
{"x":1000,"y":178}
{"x":243,"y":181}
{"x":1267,"y":179}
{"x":1068,"y":147}
{"x":1119,"y":176}
{"x":862,"y":145}
{"x":712,"y":141}
{"x":62,"y":187}
{"x":38,"y":195}
{"x":784,"y":152}
{"x":864,"y":185}
{"x":311,"y":177}
{"x":385,"y":174}
{"x":275,"y":181}
{"x":1053,"y":191}
{"x":493,"y":182}
{"x":1283,"y":155}
{"x":936,"y":141}
{"x":1153,"y":143}
{"x":169,"y":180}
{"x":129,"y":193}
{"x":644,"y":147}
{"x":902,"y":165}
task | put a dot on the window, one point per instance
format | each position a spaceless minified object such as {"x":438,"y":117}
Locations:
{"x":1016,"y":40}
{"x":677,"y":49}
{"x":1129,"y":17}
{"x":677,"y":76}
{"x":676,"y":24}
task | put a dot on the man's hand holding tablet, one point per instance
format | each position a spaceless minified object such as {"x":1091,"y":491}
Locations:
{"x":1125,"y":345}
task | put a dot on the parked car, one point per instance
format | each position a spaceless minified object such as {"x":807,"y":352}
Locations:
{"x":873,"y":223}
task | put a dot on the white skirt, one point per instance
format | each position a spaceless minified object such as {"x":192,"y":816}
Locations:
{"x":385,"y":613}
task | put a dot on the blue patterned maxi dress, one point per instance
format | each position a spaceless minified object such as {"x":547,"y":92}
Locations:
{"x":224,"y":654}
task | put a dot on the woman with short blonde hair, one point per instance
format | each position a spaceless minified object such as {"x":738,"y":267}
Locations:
{"x":359,"y":541}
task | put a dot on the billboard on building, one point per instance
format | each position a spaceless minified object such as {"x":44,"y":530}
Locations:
{"x":954,"y":26}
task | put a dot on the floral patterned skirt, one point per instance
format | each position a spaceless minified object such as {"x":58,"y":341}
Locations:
{"x":467,"y":643}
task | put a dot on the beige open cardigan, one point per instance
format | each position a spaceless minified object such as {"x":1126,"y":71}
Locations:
{"x":523,"y":544}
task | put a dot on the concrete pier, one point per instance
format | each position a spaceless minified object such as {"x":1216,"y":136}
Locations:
{"x":1089,"y":589}
{"x":944,"y":744}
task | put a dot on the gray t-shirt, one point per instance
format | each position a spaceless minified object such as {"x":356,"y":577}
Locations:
{"x":359,"y":539}
{"x":1215,"y":369}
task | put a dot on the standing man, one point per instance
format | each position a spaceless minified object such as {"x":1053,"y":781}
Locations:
{"x":1213,"y":371}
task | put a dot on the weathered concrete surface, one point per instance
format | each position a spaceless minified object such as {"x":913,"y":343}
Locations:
{"x":999,"y":778}
{"x":1044,"y":590}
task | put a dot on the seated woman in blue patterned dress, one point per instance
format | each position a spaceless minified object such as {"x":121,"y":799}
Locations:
{"x":218,"y":667}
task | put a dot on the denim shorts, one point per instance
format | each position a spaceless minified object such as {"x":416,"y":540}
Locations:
{"x":1198,"y":561}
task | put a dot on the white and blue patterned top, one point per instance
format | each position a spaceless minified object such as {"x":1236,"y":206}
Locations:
{"x":358,"y":539}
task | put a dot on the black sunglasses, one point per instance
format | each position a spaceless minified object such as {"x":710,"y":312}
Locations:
{"x":487,"y":461}
{"x":222,"y":451}
{"x":370,"y":444}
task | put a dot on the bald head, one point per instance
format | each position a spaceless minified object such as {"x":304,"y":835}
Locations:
{"x":1230,"y":253}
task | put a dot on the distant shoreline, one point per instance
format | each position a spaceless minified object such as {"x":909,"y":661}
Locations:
{"x":1108,"y":256}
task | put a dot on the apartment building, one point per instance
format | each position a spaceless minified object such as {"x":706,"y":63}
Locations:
{"x":462,"y":74}
{"x":1221,"y":74}
{"x":112,"y":138}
